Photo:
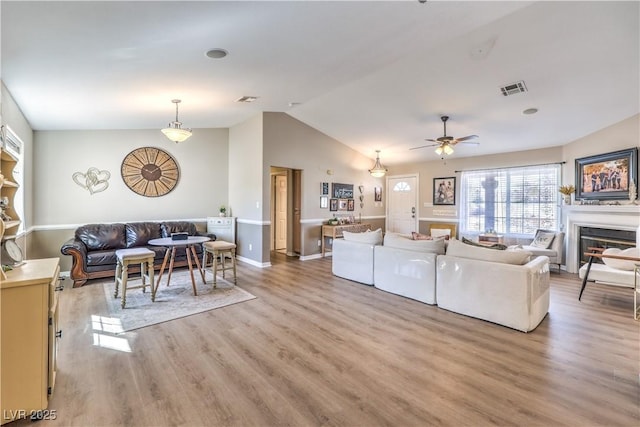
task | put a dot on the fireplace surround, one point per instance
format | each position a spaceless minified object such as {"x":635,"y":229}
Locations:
{"x":623,"y":217}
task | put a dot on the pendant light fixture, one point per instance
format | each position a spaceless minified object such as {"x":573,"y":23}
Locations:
{"x":175,"y":132}
{"x":378,"y":171}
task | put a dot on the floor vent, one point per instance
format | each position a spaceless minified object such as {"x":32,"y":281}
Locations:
{"x":512,"y":89}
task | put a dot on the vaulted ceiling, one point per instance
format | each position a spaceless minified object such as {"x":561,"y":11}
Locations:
{"x":372,"y":74}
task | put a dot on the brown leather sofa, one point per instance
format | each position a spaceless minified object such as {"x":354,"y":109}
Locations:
{"x":94,"y":246}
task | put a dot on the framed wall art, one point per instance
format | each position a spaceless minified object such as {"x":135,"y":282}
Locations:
{"x":606,"y":176}
{"x":324,"y":202}
{"x":342,"y":191}
{"x":333,"y":204}
{"x":324,"y":188}
{"x":351,"y":205}
{"x":377,"y":194}
{"x":444,"y":191}
{"x":342,"y":204}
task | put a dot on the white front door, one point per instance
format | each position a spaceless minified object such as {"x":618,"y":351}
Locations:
{"x":402,"y":204}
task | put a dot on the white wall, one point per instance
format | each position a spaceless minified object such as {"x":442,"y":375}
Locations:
{"x":202,"y":188}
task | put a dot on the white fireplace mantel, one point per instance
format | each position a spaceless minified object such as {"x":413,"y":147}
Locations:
{"x":623,"y":217}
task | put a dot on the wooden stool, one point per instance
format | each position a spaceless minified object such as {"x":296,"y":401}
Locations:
{"x":125,"y":257}
{"x":220,"y":249}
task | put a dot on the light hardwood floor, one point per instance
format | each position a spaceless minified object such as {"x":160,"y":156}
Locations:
{"x":317,"y":350}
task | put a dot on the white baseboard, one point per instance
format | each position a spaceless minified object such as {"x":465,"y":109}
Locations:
{"x":253,"y":262}
{"x":309,"y":257}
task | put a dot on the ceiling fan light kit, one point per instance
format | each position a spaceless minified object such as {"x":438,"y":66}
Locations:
{"x":174,"y":131}
{"x":445,"y":143}
{"x":378,"y":171}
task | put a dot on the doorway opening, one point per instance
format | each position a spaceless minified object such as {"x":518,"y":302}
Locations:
{"x":286,"y":196}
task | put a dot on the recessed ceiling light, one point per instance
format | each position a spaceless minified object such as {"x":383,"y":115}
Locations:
{"x":530,"y":111}
{"x":246,"y":99}
{"x":217,"y":53}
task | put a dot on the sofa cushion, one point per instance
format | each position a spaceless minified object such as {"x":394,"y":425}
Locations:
{"x":369,"y":237}
{"x":543,"y":239}
{"x":511,"y":256}
{"x":139,"y":233}
{"x":98,"y":237}
{"x":621,"y":264}
{"x":107,"y":257}
{"x":404,"y":241}
{"x":169,"y":227}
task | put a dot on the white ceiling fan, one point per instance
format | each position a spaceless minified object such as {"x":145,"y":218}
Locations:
{"x":445,"y":143}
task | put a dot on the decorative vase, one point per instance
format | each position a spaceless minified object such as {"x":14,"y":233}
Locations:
{"x":566,"y":198}
{"x":222,"y":214}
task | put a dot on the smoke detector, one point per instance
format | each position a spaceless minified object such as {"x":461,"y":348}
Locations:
{"x":513,"y":88}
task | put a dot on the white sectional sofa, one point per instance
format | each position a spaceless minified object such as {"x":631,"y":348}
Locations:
{"x":352,"y":256}
{"x":503,"y":287}
{"x":407,"y":267}
{"x":509,"y":294}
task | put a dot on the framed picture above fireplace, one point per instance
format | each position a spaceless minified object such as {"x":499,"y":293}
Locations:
{"x":606,"y":176}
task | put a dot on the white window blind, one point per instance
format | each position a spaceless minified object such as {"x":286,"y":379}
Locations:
{"x":515,"y":201}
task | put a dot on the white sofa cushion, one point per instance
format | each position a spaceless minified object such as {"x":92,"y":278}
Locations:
{"x":621,"y":264}
{"x":370,"y":237}
{"x":509,"y":256}
{"x":403,"y":241}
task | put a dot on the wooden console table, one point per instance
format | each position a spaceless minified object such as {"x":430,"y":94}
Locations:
{"x":335,"y":231}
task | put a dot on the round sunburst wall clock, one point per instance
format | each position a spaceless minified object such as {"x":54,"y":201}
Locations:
{"x":150,"y":171}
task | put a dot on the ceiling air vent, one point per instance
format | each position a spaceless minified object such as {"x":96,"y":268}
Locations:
{"x":513,"y":88}
{"x":246,"y":99}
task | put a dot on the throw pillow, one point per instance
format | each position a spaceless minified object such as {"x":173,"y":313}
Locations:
{"x":368,"y":237}
{"x":498,"y":246}
{"x":462,"y":250}
{"x":621,"y":264}
{"x":441,"y":232}
{"x":404,"y":241}
{"x":418,"y":236}
{"x":543,"y":239}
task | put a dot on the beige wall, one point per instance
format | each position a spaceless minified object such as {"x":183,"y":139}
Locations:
{"x":620,"y":136}
{"x":292,"y":144}
{"x":59,"y":154}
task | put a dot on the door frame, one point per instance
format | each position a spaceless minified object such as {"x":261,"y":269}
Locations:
{"x":415,"y":175}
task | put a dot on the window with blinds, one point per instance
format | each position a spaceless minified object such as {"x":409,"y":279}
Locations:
{"x":515,"y":201}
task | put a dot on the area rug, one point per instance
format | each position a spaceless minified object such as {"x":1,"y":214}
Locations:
{"x":172,"y":302}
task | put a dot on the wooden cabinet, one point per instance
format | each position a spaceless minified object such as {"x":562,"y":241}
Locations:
{"x":28,"y":337}
{"x":335,"y":231}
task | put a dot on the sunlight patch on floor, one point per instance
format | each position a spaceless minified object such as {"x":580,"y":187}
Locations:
{"x":104,"y":327}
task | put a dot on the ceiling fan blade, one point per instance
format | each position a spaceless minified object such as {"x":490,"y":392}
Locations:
{"x":432,"y":140}
{"x":466,"y":138}
{"x":424,"y":146}
{"x":470,"y":142}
